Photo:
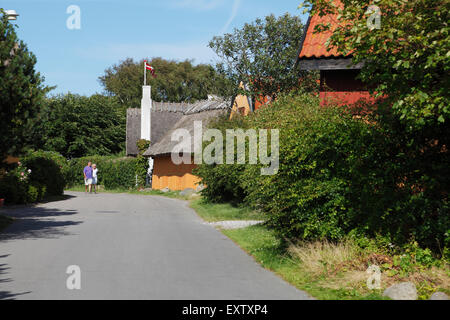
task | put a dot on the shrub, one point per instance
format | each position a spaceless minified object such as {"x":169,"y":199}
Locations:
{"x":46,"y":171}
{"x":142,"y":164}
{"x":12,"y":189}
{"x":223,"y":181}
{"x":37,"y":176}
{"x":310,"y":197}
{"x":113,"y":172}
{"x":340,"y":174}
{"x":14,"y":184}
{"x":32,"y":194}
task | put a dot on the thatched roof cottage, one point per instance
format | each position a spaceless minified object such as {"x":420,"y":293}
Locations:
{"x":165,"y":118}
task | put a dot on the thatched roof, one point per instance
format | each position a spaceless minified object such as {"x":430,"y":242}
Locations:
{"x":191,"y":108}
{"x":165,"y":117}
{"x":161,"y":121}
{"x":166,"y":145}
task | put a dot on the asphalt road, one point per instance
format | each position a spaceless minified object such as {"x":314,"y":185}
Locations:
{"x":127,"y":247}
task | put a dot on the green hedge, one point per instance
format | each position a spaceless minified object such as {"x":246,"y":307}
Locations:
{"x":41,"y":174}
{"x":340,"y":175}
{"x":113,"y":172}
{"x":46,"y":170}
{"x":37,"y":176}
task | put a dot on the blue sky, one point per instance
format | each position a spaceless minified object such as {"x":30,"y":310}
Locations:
{"x":112,"y":30}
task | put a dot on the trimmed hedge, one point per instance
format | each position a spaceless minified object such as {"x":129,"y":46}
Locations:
{"x":51,"y":173}
{"x":340,"y":175}
{"x":113,"y":172}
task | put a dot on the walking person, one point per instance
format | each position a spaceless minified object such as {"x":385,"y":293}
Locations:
{"x":94,"y":177}
{"x":88,"y":177}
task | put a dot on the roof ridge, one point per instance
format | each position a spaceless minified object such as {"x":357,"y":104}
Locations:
{"x":189,"y":107}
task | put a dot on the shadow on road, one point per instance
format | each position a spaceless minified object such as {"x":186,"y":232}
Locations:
{"x":7,"y":295}
{"x":37,"y":222}
{"x":58,"y":198}
{"x":33,"y":222}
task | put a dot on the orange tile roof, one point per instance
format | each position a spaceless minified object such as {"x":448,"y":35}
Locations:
{"x":314,"y":44}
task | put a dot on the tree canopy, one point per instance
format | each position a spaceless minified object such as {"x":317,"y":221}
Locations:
{"x":174,"y":81}
{"x":406,"y":58}
{"x":21,"y":88}
{"x":78,"y":126}
{"x":262,"y":54}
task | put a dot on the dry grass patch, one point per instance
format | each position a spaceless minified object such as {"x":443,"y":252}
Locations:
{"x":323,"y":257}
{"x":336,"y":266}
{"x":343,"y":266}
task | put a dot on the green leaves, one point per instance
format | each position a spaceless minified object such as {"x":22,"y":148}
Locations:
{"x":39,"y":175}
{"x":340,"y":174}
{"x":262,"y":54}
{"x":77,"y":126}
{"x":174,"y":81}
{"x":113,"y":172}
{"x":22,"y":91}
{"x":404,"y":59}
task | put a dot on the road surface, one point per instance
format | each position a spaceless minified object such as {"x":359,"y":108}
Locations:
{"x":126,"y":247}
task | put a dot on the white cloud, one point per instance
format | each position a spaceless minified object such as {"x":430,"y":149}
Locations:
{"x":234,"y":12}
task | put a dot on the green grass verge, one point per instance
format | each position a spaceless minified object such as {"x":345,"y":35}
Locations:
{"x":269,"y":251}
{"x":221,"y":212}
{"x":328,"y":271}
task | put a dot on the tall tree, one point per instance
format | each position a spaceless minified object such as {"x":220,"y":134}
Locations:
{"x":174,"y":81}
{"x":262,"y":54}
{"x":77,"y":126}
{"x":21,"y":87}
{"x":405,"y":48}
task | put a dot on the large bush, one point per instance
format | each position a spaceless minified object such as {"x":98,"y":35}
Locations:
{"x":223,"y":181}
{"x":340,"y":174}
{"x":46,"y":170}
{"x":38,"y":175}
{"x":113,"y":172}
{"x":13,"y":190}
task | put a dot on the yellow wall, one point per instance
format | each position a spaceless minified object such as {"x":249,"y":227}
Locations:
{"x":175,"y":177}
{"x":240,"y":105}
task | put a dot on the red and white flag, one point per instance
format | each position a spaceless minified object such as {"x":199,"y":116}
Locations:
{"x":149,"y":67}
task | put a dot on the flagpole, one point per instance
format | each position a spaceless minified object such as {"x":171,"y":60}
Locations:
{"x":145,"y":73}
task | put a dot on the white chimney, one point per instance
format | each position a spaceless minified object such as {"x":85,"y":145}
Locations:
{"x":146,"y":112}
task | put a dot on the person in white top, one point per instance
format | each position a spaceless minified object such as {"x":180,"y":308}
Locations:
{"x":94,"y":177}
